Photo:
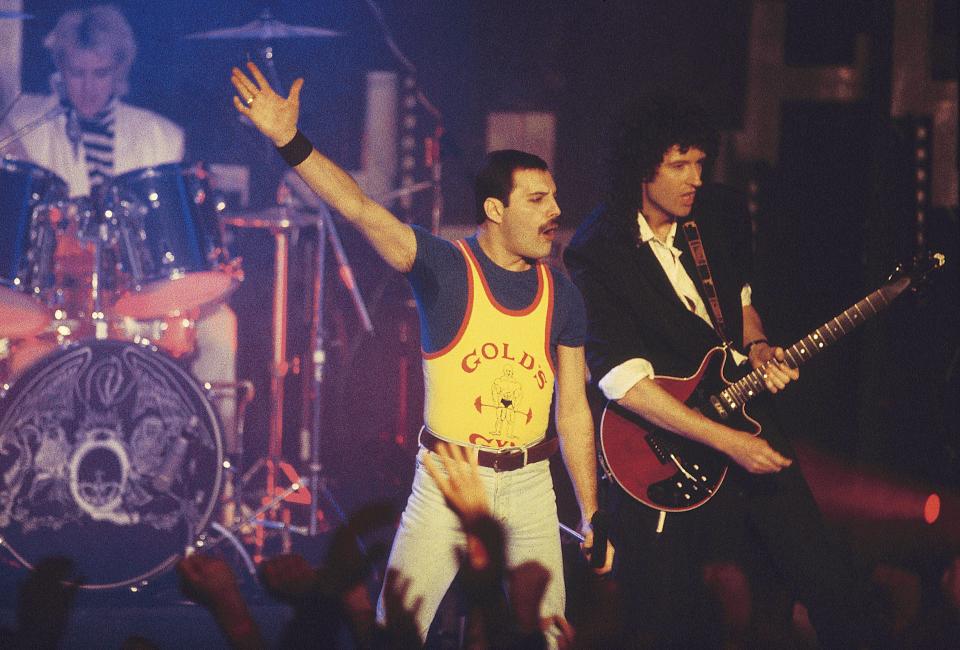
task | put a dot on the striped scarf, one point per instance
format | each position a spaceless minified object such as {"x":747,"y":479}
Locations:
{"x":97,"y":134}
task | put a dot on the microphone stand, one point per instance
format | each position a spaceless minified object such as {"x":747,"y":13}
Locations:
{"x":326,"y":231}
{"x":33,"y":125}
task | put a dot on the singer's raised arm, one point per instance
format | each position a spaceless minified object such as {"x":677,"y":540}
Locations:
{"x":276,"y":117}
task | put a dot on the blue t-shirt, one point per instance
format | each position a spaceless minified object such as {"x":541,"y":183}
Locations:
{"x":439,"y":282}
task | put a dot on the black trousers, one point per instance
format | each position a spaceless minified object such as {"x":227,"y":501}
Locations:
{"x":769,"y":525}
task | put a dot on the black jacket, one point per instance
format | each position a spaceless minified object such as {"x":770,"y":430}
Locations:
{"x":632,"y":309}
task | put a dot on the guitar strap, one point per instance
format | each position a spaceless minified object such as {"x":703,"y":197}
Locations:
{"x":692,"y":233}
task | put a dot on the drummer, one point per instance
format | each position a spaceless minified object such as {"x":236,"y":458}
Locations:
{"x":98,"y":136}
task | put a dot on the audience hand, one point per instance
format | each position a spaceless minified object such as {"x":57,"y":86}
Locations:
{"x":209,"y":581}
{"x":461,"y":486}
{"x":46,"y":599}
{"x":289,"y":578}
{"x":400,"y":625}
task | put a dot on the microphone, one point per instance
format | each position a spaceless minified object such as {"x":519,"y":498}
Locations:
{"x":171,"y":464}
{"x":74,"y":132}
{"x":53,"y":113}
{"x":173,"y":460}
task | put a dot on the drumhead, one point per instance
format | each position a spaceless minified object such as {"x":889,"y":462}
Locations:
{"x":111,"y":455}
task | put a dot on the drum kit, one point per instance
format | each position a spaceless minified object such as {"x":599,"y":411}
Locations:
{"x":109,"y":447}
{"x":106,"y":441}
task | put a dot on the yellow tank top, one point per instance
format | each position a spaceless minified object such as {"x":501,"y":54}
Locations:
{"x":492,"y":386}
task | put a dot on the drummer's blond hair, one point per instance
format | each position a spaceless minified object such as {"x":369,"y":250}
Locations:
{"x":101,"y":28}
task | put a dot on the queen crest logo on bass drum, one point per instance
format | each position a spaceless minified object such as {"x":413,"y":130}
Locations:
{"x":110,"y":455}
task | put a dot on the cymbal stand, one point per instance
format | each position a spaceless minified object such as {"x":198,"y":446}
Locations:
{"x":326,"y":231}
{"x":280,"y":229}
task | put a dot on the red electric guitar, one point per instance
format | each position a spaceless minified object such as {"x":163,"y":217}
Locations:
{"x":672,"y":473}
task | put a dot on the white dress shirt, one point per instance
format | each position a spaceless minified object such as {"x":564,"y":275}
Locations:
{"x":619,"y":380}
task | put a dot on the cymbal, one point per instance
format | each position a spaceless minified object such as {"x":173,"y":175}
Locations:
{"x":273,"y":218}
{"x":264,"y":28}
{"x":403,"y":191}
{"x":14,"y":15}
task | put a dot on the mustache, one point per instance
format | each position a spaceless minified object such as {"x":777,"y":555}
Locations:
{"x":550,"y":224}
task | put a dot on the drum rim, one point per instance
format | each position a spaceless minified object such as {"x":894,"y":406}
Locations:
{"x":153,"y":171}
{"x":36,"y":171}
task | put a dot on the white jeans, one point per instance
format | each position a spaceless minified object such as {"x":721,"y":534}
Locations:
{"x":425,"y":547}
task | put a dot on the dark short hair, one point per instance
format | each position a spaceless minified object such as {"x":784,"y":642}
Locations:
{"x":650,"y":127}
{"x":495,"y":179}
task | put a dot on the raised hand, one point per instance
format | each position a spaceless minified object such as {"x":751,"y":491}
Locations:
{"x":289,"y":578}
{"x":461,"y":486}
{"x":207,"y":580}
{"x":275,"y":116}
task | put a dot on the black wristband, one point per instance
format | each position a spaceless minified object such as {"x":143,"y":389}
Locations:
{"x":296,"y":151}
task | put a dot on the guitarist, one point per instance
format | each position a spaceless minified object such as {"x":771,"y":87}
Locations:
{"x":649,"y":314}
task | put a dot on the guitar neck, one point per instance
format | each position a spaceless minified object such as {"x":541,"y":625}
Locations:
{"x":740,"y":392}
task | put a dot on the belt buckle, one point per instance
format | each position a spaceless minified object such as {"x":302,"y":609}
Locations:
{"x":505,"y":454}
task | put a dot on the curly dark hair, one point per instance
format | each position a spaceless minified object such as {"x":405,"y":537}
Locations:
{"x":650,"y":128}
{"x":495,"y":178}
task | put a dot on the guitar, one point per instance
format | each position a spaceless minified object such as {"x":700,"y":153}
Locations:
{"x":671,"y":473}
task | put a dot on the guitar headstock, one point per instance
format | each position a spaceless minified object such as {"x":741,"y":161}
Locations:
{"x":919,"y":269}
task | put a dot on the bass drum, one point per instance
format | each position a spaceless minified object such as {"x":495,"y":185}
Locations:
{"x":110,"y":455}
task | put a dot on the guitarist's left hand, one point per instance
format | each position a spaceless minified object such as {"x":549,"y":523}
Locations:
{"x":776,"y":373}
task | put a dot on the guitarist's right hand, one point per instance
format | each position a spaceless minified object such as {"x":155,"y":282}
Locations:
{"x":754,"y":454}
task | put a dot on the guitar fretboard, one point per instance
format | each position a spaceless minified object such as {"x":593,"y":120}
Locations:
{"x":740,"y":392}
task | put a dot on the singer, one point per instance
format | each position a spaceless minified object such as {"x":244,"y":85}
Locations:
{"x":501,"y":335}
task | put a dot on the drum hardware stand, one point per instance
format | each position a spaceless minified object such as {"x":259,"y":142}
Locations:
{"x":258,"y":520}
{"x":278,"y":372}
{"x":282,"y":224}
{"x":101,"y":328}
{"x":231,"y":499}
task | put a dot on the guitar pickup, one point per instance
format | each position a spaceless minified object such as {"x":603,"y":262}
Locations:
{"x":719,"y":407}
{"x":655,"y":445}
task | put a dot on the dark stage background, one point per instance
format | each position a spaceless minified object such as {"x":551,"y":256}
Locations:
{"x":834,"y":211}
